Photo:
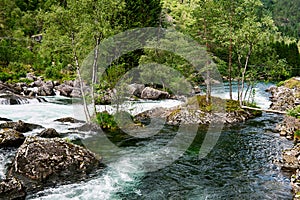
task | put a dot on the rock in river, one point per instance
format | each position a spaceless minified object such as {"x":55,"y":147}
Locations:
{"x":11,"y":189}
{"x":11,"y":138}
{"x":19,"y":126}
{"x":49,"y":133}
{"x":43,"y":162}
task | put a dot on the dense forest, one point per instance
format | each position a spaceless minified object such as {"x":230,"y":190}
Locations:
{"x":252,"y":39}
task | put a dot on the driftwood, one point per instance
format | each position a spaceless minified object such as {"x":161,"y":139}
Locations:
{"x":265,"y":110}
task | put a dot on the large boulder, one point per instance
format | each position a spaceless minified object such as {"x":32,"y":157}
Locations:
{"x":20,"y":126}
{"x":12,"y":189}
{"x":11,"y":138}
{"x":41,"y":162}
{"x":64,"y":90}
{"x":153,"y":94}
{"x":136,"y":89}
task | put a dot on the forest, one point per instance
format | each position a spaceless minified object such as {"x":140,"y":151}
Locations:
{"x":247,"y":39}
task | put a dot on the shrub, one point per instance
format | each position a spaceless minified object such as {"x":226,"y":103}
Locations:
{"x":53,"y":72}
{"x":295,"y":112}
{"x":105,"y":120}
{"x":5,"y":76}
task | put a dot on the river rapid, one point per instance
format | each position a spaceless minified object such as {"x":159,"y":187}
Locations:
{"x":240,"y":166}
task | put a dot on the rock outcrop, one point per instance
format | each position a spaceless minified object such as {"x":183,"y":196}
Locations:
{"x":185,"y":115}
{"x":43,"y":162}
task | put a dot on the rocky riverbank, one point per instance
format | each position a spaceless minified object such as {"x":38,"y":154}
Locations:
{"x":23,"y":92}
{"x":42,"y":160}
{"x":285,"y":98}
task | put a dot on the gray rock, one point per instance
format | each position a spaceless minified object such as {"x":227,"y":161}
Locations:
{"x":136,"y":89}
{"x":41,"y":162}
{"x":76,"y":93}
{"x":31,"y":77}
{"x":12,"y":189}
{"x":154,"y":94}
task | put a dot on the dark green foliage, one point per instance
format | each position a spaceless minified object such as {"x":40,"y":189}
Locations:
{"x":290,"y":53}
{"x":286,"y":15}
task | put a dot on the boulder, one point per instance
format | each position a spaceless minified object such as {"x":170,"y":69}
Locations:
{"x":31,"y":77}
{"x":136,"y":89}
{"x":64,"y":90}
{"x":20,"y":126}
{"x":41,"y":162}
{"x":49,"y":133}
{"x":69,"y":119}
{"x":11,"y":138}
{"x":154,"y":94}
{"x":76,"y":93}
{"x":12,"y":189}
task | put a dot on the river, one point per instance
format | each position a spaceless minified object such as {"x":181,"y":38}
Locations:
{"x":240,"y":166}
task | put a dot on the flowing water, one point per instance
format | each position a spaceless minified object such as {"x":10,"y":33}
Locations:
{"x":240,"y":166}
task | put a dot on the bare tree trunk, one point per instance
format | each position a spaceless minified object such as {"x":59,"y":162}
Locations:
{"x":230,"y":58}
{"x":208,"y":82}
{"x":208,"y":87}
{"x":239,"y":78}
{"x":85,"y":107}
{"x":244,"y":73}
{"x":94,"y":75}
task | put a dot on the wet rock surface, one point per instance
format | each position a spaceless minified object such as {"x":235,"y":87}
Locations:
{"x":41,"y":162}
{"x":11,"y":138}
{"x":12,"y":189}
{"x":20,"y":126}
{"x":69,"y":120}
{"x":49,"y":133}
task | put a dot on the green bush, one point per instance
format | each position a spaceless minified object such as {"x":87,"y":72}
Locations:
{"x":53,"y":72}
{"x":295,"y":112}
{"x":105,"y":120}
{"x":5,"y":76}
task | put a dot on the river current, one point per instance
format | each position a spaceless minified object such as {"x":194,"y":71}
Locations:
{"x":240,"y":166}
